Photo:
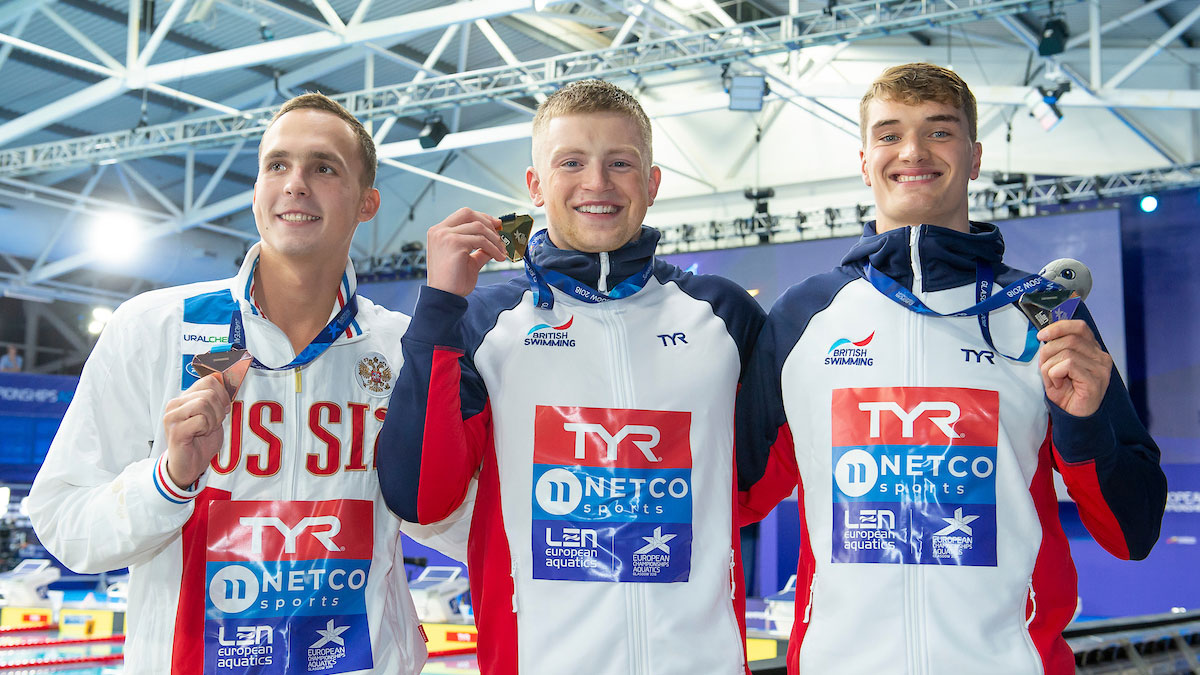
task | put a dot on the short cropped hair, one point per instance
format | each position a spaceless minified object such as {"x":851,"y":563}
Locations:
{"x":594,"y":96}
{"x":917,"y":83}
{"x":319,"y":101}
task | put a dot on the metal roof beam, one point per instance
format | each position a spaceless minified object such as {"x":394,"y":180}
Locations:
{"x":848,"y":22}
{"x":1153,"y":50}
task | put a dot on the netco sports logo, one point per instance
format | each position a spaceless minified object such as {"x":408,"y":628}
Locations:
{"x":286,"y":586}
{"x":612,"y":495}
{"x":545,"y":335}
{"x":914,"y":475}
{"x":845,"y":352}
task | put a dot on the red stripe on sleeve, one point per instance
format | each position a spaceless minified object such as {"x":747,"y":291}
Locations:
{"x":806,"y":569}
{"x":1055,"y":582}
{"x":187,"y":650}
{"x":737,"y":575}
{"x":777,"y":482}
{"x":490,"y":563}
{"x":1084,"y":487}
{"x":451,"y":446}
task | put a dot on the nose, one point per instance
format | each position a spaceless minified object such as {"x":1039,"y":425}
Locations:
{"x":913,"y":149}
{"x":596,"y":178}
{"x":295,"y":184}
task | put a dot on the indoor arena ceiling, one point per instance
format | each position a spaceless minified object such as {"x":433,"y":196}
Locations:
{"x":153,"y":108}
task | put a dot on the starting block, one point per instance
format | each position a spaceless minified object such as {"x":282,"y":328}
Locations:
{"x":437,"y":594}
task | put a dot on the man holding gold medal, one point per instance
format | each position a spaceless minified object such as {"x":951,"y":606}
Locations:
{"x":239,"y":484}
{"x":594,"y":401}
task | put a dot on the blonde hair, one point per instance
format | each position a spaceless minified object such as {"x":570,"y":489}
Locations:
{"x":593,"y":96}
{"x":916,"y":83}
{"x":319,"y":101}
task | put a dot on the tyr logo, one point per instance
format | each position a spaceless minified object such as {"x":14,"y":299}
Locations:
{"x":675,"y":339}
{"x":290,"y":534}
{"x":979,"y":355}
{"x":647,"y":438}
{"x":908,"y":418}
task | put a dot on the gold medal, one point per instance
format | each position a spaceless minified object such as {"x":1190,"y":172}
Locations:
{"x":514,"y":232}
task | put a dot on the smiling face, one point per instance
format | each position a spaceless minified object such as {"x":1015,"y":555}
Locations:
{"x":310,"y":194}
{"x":918,"y":160}
{"x":592,"y":172}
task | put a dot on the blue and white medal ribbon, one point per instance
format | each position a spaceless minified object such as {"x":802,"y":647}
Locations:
{"x":338,"y":325}
{"x":986,"y":302}
{"x":541,"y":279}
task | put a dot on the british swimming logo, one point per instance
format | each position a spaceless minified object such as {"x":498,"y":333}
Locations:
{"x":914,"y":475}
{"x":545,"y":335}
{"x":846,"y":352}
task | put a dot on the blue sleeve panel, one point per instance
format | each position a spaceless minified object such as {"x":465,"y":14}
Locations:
{"x":760,"y":414}
{"x":442,"y":322}
{"x":741,"y":313}
{"x":1125,"y":457}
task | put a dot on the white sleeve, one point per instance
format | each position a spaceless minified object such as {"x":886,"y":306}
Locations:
{"x":447,"y":536}
{"x":100,"y":501}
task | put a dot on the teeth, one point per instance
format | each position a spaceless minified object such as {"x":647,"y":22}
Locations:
{"x":596,"y":208}
{"x":907,"y":179}
{"x":298,"y":217}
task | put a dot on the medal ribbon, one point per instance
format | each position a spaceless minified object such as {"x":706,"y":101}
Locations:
{"x":541,"y":279}
{"x":340,"y":322}
{"x":986,"y":302}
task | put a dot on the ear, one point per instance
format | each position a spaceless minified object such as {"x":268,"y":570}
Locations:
{"x":862,"y":161}
{"x":655,"y":181}
{"x":369,"y":206}
{"x":535,"y":186}
{"x":976,"y":159}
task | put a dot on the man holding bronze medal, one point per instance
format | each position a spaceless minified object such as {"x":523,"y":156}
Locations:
{"x":220,"y":443}
{"x":594,"y":401}
{"x":926,"y":487}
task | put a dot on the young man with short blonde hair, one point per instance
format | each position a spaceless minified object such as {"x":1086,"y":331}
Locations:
{"x":594,"y":399}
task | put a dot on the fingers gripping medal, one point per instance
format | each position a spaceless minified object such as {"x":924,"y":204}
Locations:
{"x":231,"y":365}
{"x":514,"y":232}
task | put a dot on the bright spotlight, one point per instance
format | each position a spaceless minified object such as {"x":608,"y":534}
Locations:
{"x":1148,"y":204}
{"x":102,"y":314}
{"x":95,"y":327}
{"x":115,"y":236}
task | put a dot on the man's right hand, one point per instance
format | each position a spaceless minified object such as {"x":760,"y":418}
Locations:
{"x":458,"y":247}
{"x":194,"y":431}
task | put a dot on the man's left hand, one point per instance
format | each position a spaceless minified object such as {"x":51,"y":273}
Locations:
{"x":1075,"y":369}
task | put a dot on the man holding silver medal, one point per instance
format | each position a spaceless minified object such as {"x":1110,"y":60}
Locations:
{"x":593,"y":399}
{"x":926,"y":487}
{"x":239,"y":484}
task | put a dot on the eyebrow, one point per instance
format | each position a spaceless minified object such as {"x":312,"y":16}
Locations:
{"x":317,"y":154}
{"x":571,"y":150}
{"x":931,"y":118}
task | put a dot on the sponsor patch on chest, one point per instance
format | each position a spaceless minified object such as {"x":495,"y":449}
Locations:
{"x":612,"y":495}
{"x":914,"y":475}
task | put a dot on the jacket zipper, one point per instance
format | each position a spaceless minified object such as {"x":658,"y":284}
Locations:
{"x":513,"y":572}
{"x":622,"y":392}
{"x":602,"y":282}
{"x":1037,"y":657}
{"x":914,"y":586}
{"x":812,"y":586}
{"x":732,"y":579}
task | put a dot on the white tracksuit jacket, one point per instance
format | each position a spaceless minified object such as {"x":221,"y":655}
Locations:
{"x":284,"y":556}
{"x":604,"y":539}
